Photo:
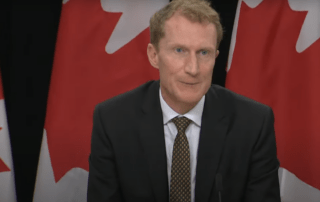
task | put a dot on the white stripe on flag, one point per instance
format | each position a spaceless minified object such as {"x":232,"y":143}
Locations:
{"x":295,"y":190}
{"x":7,"y":188}
{"x":72,"y":187}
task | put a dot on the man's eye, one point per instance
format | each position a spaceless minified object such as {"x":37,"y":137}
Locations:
{"x":179,"y":50}
{"x":204,"y":52}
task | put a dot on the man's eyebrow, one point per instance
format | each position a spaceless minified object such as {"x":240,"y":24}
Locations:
{"x":172,"y":45}
{"x":176,"y":45}
{"x":208,"y":48}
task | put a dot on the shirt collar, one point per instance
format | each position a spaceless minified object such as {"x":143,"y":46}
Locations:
{"x":194,"y":114}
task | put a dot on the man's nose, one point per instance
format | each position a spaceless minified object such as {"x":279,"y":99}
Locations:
{"x":192,"y":66}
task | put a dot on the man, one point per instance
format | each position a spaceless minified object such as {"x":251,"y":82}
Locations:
{"x":181,"y":138}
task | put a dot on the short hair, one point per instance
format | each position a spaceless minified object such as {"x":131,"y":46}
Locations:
{"x":194,"y":10}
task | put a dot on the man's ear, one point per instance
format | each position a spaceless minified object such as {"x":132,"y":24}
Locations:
{"x":217,"y":53}
{"x":153,"y":55}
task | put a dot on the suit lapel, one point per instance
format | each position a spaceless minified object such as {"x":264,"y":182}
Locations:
{"x":153,"y":142}
{"x":212,"y":137}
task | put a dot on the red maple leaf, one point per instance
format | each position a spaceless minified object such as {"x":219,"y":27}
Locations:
{"x":267,"y":68}
{"x":3,"y":166}
{"x":84,"y":75}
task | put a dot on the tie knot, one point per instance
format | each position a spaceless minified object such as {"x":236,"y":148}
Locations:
{"x":181,"y":123}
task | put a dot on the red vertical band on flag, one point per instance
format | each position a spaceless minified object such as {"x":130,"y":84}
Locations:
{"x":266,"y":67}
{"x":84,"y":75}
{"x":1,"y":89}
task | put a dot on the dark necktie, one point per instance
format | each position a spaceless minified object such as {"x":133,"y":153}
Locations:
{"x":180,"y":184}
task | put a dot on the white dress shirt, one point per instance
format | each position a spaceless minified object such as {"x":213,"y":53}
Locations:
{"x":192,"y":133}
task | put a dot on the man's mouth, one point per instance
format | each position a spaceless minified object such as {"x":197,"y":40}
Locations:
{"x":189,"y":83}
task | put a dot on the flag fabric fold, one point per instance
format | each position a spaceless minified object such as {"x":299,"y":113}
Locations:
{"x":100,"y":53}
{"x":274,"y":59}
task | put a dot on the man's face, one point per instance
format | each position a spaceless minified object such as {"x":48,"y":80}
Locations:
{"x":185,"y":60}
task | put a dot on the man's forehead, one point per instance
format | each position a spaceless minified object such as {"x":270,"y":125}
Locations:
{"x":179,"y":24}
{"x":179,"y":30}
{"x":178,"y":19}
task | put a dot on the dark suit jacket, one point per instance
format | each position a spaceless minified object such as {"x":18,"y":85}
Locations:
{"x":128,"y":155}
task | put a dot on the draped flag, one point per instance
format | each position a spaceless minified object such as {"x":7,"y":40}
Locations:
{"x":7,"y":186}
{"x":101,"y":51}
{"x":275,"y":59}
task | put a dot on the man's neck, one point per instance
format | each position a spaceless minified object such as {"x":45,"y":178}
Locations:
{"x":181,"y":108}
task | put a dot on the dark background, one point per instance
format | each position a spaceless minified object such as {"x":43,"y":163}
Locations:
{"x":27,"y":40}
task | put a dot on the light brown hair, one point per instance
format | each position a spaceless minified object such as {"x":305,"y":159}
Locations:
{"x":194,"y":10}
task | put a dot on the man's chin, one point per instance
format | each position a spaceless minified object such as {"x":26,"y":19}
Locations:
{"x":190,"y":100}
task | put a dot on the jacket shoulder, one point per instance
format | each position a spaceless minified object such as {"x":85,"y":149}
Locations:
{"x":239,"y":102}
{"x":125,"y":101}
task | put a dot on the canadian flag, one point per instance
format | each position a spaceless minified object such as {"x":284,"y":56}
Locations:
{"x":275,"y":59}
{"x":7,"y":186}
{"x":101,"y":51}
